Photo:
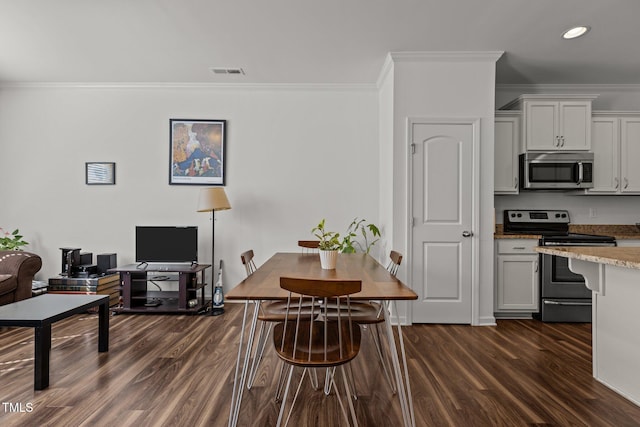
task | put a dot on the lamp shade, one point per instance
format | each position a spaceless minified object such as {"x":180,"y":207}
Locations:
{"x":213,"y":199}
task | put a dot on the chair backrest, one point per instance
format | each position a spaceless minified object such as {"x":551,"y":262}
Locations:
{"x":313,"y":339}
{"x":247,"y":260}
{"x":394,"y":263}
{"x":309,"y":245}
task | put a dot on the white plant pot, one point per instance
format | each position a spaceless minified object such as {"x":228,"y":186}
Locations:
{"x":328,"y":259}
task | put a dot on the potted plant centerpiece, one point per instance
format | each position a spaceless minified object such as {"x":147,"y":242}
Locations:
{"x":368,"y":234}
{"x":359,"y":237}
{"x":328,"y":246}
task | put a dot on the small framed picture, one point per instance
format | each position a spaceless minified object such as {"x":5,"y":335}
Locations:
{"x":100,"y":173}
{"x":197,"y":152}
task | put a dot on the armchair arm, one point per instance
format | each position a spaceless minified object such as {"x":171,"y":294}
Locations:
{"x":23,"y":265}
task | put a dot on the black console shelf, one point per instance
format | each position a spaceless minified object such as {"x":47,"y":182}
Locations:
{"x":137,"y":299}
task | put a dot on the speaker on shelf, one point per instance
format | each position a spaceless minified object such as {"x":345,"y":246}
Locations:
{"x":86,"y":258}
{"x":70,"y":257}
{"x":105,"y":262}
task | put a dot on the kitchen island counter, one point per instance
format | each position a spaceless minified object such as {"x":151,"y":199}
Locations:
{"x":613,"y":275}
{"x":628,"y":257}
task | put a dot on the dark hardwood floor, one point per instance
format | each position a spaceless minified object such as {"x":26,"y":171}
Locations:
{"x":178,"y":371}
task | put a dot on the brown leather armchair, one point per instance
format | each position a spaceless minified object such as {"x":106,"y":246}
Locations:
{"x":17,"y":269}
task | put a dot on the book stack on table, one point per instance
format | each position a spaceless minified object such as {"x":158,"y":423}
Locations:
{"x":102,"y":285}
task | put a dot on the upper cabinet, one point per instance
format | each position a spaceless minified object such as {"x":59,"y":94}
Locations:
{"x":506,"y":149}
{"x":555,"y":122}
{"x":616,"y":148}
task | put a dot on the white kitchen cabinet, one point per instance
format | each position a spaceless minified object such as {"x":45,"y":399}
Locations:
{"x":555,"y":122}
{"x":616,"y":148}
{"x":506,"y":149}
{"x":517,"y":276}
{"x":629,"y":154}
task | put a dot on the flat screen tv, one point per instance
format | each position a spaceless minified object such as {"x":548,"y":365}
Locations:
{"x":166,"y":244}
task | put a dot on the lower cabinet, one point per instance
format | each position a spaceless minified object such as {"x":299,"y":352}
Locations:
{"x":517,"y":276}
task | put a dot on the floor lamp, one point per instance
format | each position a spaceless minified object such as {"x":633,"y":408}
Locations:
{"x":214,"y":199}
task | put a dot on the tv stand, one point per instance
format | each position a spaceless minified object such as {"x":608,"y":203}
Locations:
{"x":136,"y":297}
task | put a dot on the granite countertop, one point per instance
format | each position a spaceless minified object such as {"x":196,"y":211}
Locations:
{"x":628,"y":257}
{"x":619,"y":231}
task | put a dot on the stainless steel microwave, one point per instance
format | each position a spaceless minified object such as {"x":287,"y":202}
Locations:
{"x":556,"y":171}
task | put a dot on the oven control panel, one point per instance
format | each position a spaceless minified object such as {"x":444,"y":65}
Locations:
{"x":536,"y":216}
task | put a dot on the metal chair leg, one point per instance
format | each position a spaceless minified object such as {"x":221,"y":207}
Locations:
{"x":353,"y":381}
{"x":281,"y":381}
{"x":348,"y":393}
{"x":340,"y":400}
{"x":284,"y":400}
{"x":314,"y":379}
{"x":328,"y":379}
{"x":257,"y":357}
{"x":384,"y":359}
{"x":295,"y":396}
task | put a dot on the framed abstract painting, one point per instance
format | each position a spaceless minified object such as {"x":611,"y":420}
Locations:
{"x":197,"y":152}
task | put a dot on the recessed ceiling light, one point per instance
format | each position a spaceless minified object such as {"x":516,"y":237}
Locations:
{"x":575,"y":32}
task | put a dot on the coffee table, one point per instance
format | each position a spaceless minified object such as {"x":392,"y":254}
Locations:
{"x":41,"y":311}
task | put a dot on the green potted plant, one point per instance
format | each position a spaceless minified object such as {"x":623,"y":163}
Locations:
{"x":328,"y":246}
{"x":11,"y":241}
{"x":359,"y":228}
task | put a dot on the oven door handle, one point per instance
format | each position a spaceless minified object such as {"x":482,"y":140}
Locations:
{"x":577,"y":244}
{"x":551,"y":302}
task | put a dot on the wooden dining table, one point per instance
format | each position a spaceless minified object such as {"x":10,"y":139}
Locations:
{"x":377,"y":285}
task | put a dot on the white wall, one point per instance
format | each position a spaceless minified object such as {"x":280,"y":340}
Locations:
{"x":294,"y":155}
{"x":447,"y":85}
{"x":385,"y":132}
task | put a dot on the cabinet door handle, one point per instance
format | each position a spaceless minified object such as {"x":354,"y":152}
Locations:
{"x":467,"y":233}
{"x":617,"y":183}
{"x":515,"y":180}
{"x":626,"y":183}
{"x":537,"y":266}
{"x":557,"y":144}
{"x":562,"y":139}
{"x":522,"y":248}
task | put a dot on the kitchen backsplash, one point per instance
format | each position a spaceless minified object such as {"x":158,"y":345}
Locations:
{"x":619,"y":231}
{"x":582,"y":209}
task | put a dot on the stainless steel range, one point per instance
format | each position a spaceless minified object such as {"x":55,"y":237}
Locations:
{"x":563,"y":294}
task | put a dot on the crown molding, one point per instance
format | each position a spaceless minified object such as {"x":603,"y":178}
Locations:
{"x":386,"y":69}
{"x":571,"y":87}
{"x":347,"y":87}
{"x":444,"y":56}
{"x":449,"y":56}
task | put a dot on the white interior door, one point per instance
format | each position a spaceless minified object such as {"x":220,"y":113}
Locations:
{"x":442,"y":207}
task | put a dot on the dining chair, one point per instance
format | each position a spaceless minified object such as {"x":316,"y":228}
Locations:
{"x":394,"y":263}
{"x":269,"y":313}
{"x":371,"y":315}
{"x":309,"y":246}
{"x":248,"y":262}
{"x":265,"y":312}
{"x":314,"y":340}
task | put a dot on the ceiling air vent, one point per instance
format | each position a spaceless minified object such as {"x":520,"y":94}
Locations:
{"x":233,"y":71}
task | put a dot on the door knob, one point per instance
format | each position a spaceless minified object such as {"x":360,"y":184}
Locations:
{"x":467,"y":234}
